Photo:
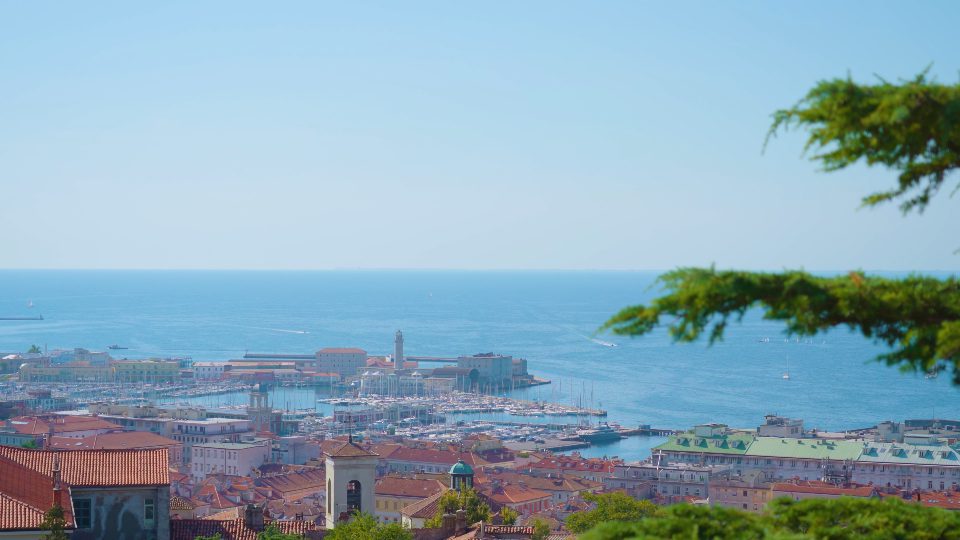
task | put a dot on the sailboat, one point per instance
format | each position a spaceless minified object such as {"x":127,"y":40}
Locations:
{"x":29,"y":303}
{"x":786,"y":373}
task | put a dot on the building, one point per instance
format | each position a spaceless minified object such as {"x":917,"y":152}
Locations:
{"x":233,"y":458}
{"x":116,"y":494}
{"x":780,"y":426}
{"x":394,"y":493}
{"x":66,"y":373}
{"x":398,"y":349}
{"x":518,"y":496}
{"x":750,"y":493}
{"x":934,"y":465}
{"x":351,"y":474}
{"x":150,"y":371}
{"x":208,"y":371}
{"x":206,"y":431}
{"x":248,"y":526}
{"x":494,"y":371}
{"x":345,"y":362}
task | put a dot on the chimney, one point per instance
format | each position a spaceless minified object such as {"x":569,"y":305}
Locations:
{"x":449,"y":524}
{"x":461,"y":521}
{"x":253,"y":517}
{"x":57,"y":487}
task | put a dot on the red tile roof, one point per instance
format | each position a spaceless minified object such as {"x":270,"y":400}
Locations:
{"x":122,"y":439}
{"x":98,"y":467}
{"x":25,"y":495}
{"x":427,"y":455}
{"x":40,"y":425}
{"x":822,"y":488}
{"x":512,"y":494}
{"x":347,"y":449}
{"x":395,"y":486}
{"x":189,"y":529}
{"x":424,"y":508}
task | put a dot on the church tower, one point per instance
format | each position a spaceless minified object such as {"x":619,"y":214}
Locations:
{"x":398,"y":350}
{"x":351,"y":478}
{"x":259,"y":410}
{"x":461,"y":476}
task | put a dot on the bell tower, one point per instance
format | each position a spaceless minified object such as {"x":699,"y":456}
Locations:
{"x":351,"y":478}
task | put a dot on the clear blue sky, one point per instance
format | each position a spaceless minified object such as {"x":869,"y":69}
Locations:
{"x":620,"y":135}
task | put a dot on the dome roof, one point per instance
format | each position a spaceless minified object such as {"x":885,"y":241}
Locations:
{"x":461,"y":468}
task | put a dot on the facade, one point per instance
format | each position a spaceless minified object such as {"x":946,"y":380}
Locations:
{"x":666,"y":482}
{"x":345,"y":362}
{"x":750,"y":493}
{"x":206,"y":431}
{"x":208,"y":371}
{"x":152,"y":371}
{"x":232,"y":458}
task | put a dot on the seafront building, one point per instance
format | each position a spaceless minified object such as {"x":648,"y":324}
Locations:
{"x":935,"y":464}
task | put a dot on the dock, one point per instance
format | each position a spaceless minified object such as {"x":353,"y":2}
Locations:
{"x":552,"y":445}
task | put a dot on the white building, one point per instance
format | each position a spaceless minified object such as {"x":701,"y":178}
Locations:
{"x":351,"y":480}
{"x":345,"y":362}
{"x":234,"y":458}
{"x":208,"y":371}
{"x":206,"y":431}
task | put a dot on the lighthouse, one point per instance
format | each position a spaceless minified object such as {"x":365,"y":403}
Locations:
{"x":398,"y":350}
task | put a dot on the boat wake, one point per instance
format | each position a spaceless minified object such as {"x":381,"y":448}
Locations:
{"x":281,"y":330}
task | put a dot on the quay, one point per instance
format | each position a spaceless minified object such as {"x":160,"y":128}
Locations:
{"x":550,"y":445}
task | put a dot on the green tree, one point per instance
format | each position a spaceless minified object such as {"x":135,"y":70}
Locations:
{"x":541,"y":530}
{"x":467,"y":500}
{"x":34,"y":349}
{"x":834,"y":519}
{"x":509,"y":515}
{"x":272,"y":532}
{"x":913,"y":128}
{"x":364,"y":526}
{"x":31,"y":444}
{"x":55,"y":522}
{"x":615,"y":506}
{"x":211,"y":537}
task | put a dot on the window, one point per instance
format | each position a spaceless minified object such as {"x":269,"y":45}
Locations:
{"x":83,"y":513}
{"x":149,"y":512}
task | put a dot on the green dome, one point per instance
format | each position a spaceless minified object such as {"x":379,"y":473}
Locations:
{"x":461,"y":468}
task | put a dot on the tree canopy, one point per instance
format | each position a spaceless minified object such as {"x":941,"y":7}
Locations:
{"x":466,"y":500}
{"x":614,"y":506}
{"x":837,"y":519}
{"x":913,"y":128}
{"x":364,"y":526}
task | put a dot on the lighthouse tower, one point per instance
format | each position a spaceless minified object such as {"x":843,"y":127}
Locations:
{"x":398,"y":350}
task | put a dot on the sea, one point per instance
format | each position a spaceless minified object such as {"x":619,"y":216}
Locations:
{"x":551,"y":318}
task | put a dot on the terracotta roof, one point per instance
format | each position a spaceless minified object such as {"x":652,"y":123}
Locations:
{"x":425,"y":508}
{"x":395,"y":486}
{"x":189,"y":529}
{"x":180,"y":503}
{"x":429,"y":455}
{"x":40,"y":425}
{"x":98,"y":467}
{"x":512,"y":494}
{"x":348,"y":449}
{"x":822,"y":488}
{"x":311,"y":479}
{"x":25,"y":495}
{"x":122,"y":439}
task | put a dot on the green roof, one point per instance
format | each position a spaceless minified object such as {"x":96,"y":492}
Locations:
{"x":732,"y":443}
{"x":915,"y":454}
{"x":461,"y":468}
{"x":805,"y":448}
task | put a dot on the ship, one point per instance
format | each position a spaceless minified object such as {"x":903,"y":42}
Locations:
{"x":117,"y":348}
{"x":602,"y":433}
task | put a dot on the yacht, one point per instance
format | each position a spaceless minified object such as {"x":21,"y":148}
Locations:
{"x":601,"y":433}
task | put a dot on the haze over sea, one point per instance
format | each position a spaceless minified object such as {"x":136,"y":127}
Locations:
{"x":547,"y":317}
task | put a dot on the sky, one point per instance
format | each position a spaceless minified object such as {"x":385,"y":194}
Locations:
{"x":483,"y":135}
